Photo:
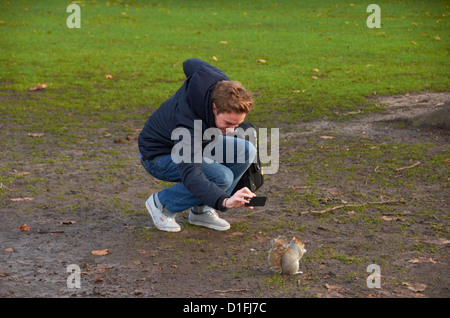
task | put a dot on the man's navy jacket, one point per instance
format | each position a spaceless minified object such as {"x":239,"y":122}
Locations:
{"x":191,"y":102}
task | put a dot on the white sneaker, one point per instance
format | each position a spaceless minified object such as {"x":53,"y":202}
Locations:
{"x":162,"y":221}
{"x":209,"y":219}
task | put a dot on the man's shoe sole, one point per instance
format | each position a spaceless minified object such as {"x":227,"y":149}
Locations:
{"x":211,"y":226}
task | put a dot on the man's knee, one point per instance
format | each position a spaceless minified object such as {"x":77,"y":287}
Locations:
{"x":245,"y":151}
{"x":218,"y":173}
{"x":225,"y":179}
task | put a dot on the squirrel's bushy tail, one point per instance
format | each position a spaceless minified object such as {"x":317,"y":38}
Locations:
{"x":279,"y":246}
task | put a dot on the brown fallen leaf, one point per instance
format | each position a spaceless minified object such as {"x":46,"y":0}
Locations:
{"x":98,"y":279}
{"x":21,"y":199}
{"x":35,"y":135}
{"x":100,"y":252}
{"x":388,"y":218}
{"x":21,"y":174}
{"x":261,"y":61}
{"x":334,"y":288}
{"x":422,"y":260}
{"x":37,"y":87}
{"x":439,"y":241}
{"x":415,"y":287}
{"x":315,"y":70}
{"x":108,"y":76}
{"x":24,"y":228}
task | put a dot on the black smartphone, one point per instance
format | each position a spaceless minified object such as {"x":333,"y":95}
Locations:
{"x":259,"y":200}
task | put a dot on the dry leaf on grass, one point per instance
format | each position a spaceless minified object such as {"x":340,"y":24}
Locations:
{"x":338,"y":289}
{"x":422,"y":260}
{"x":439,"y":241}
{"x":21,"y":174}
{"x":35,"y":135}
{"x":37,"y":87}
{"x":24,"y":228}
{"x":98,"y":279}
{"x":388,"y":218}
{"x":21,"y":199}
{"x":100,"y":252}
{"x":415,"y":287}
{"x":108,"y":76}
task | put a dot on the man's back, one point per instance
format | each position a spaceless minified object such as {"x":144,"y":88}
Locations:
{"x":191,"y":102}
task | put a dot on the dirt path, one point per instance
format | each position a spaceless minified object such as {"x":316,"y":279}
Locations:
{"x":90,"y":197}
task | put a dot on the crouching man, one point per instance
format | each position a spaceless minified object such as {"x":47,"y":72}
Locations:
{"x":207,"y":100}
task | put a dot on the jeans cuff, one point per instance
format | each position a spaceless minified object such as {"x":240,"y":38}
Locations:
{"x":200,"y":209}
{"x":159,"y":205}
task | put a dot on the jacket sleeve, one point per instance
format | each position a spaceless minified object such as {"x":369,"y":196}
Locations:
{"x":195,"y":181}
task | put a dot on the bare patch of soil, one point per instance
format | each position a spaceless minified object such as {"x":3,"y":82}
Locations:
{"x":89,"y":196}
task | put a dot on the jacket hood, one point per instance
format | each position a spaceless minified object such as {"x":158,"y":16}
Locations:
{"x":199,"y":89}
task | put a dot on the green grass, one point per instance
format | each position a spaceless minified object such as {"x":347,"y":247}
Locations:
{"x":143,"y":44}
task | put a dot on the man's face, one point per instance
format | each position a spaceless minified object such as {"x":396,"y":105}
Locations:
{"x":227,"y":122}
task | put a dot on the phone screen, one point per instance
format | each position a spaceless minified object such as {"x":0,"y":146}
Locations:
{"x":259,"y":200}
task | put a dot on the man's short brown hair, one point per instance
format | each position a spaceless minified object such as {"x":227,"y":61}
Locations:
{"x":231,"y":96}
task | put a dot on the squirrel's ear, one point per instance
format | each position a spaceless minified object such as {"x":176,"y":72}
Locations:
{"x":298,"y":241}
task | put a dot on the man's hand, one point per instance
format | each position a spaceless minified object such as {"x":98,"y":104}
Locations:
{"x":239,"y":199}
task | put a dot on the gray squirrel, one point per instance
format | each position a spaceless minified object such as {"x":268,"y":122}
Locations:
{"x":284,"y":258}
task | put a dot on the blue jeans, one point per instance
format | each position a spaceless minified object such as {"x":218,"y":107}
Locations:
{"x":226,"y":174}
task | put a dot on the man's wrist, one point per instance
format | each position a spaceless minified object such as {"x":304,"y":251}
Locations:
{"x":224,"y":203}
